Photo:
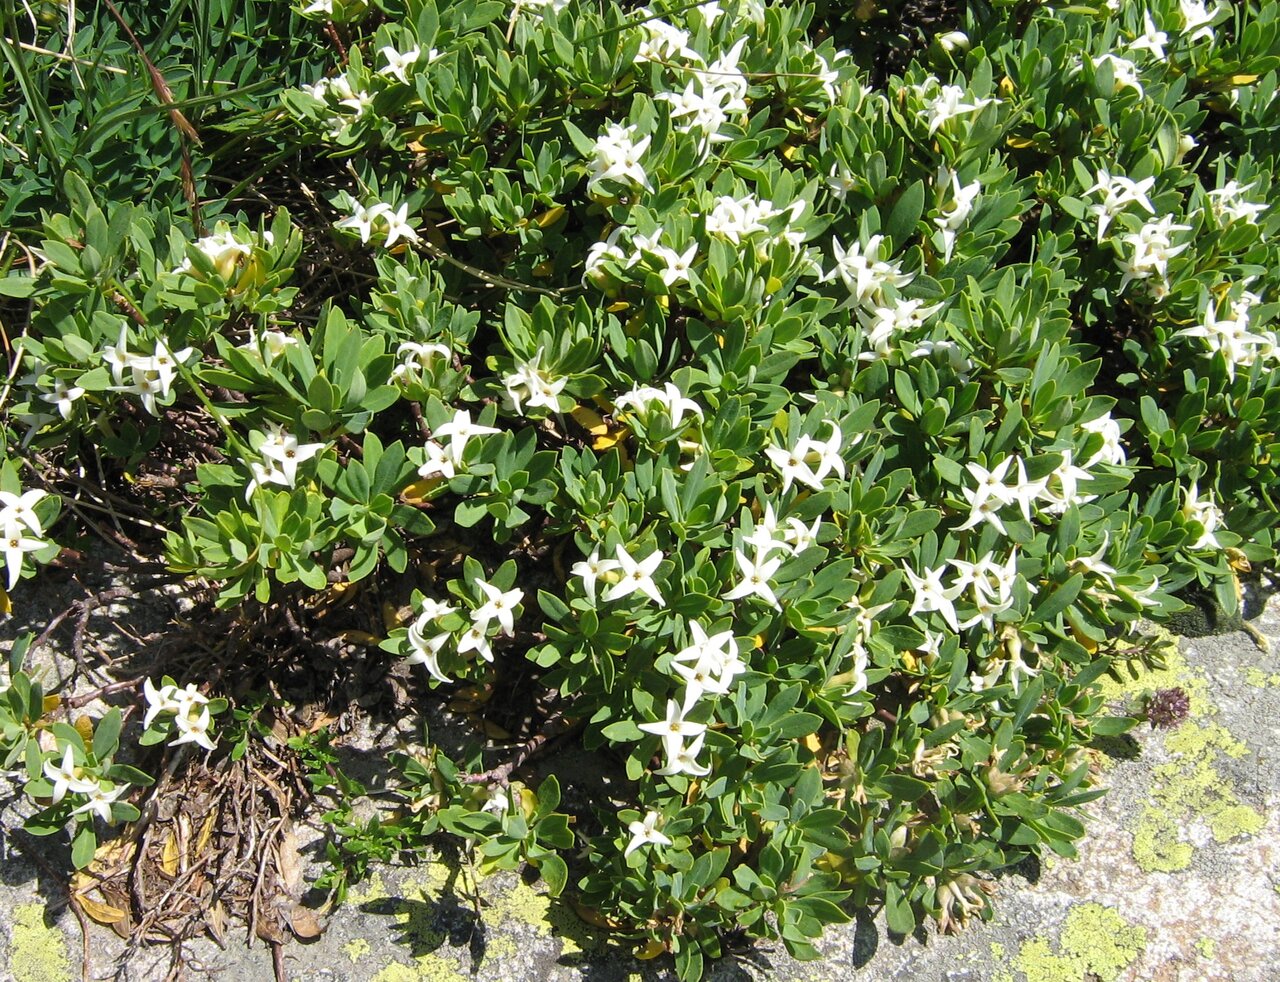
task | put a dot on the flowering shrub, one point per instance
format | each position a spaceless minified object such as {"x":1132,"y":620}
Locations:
{"x":806,"y":447}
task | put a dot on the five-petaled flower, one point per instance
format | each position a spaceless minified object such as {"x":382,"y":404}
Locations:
{"x":637,"y":577}
{"x":500,"y":606}
{"x":675,"y":728}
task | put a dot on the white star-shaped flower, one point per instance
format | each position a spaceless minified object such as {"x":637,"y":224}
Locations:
{"x":399,"y":61}
{"x":158,"y":701}
{"x":100,"y":801}
{"x":500,"y":607}
{"x":755,"y":578}
{"x":439,"y":463}
{"x":685,"y":760}
{"x":459,"y":432}
{"x":67,"y":777}
{"x":282,"y":449}
{"x":16,"y":543}
{"x":637,"y":577}
{"x":675,"y":728}
{"x":645,"y":833}
{"x":590,"y":570}
{"x":474,"y":638}
{"x":20,"y":508}
{"x":193,"y":728}
{"x":931,"y":595}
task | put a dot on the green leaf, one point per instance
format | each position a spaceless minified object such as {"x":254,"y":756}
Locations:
{"x":901,"y":224}
{"x":1058,"y":601}
{"x":555,"y":873}
{"x":106,"y":735}
{"x":84,"y":845}
{"x":899,"y":916}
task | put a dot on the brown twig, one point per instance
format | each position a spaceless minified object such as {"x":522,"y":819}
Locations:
{"x":555,"y":729}
{"x":130,"y":311}
{"x":331,"y":31}
{"x":75,"y":702}
{"x":180,"y":122}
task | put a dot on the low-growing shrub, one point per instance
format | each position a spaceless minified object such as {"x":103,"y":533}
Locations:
{"x":801,"y":432}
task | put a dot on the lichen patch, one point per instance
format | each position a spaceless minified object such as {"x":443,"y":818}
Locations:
{"x":37,"y":952}
{"x":1096,"y":942}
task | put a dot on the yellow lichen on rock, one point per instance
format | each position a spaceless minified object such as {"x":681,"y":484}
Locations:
{"x":531,"y":905}
{"x":1259,"y":679}
{"x":1096,"y":942}
{"x":356,"y":949}
{"x":1188,"y":789}
{"x":1176,"y":673}
{"x":37,"y":952}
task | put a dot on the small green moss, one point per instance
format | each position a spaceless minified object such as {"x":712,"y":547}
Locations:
{"x":1095,"y":942}
{"x":37,"y":952}
{"x":1206,"y":947}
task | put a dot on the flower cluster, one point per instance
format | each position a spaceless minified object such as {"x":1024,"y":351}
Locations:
{"x":68,"y":777}
{"x":150,"y":377}
{"x":806,"y":426}
{"x":281,"y":454}
{"x":190,"y":710}
{"x":21,"y":531}
{"x":494,"y":614}
{"x":392,"y":223}
{"x":445,"y":461}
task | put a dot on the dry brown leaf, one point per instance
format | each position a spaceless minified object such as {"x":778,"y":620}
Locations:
{"x":289,"y":863}
{"x":206,"y":831}
{"x":268,"y":930}
{"x":650,"y":949}
{"x":321,"y":722}
{"x":100,"y":912}
{"x":593,"y":917}
{"x":215,"y":922}
{"x":184,"y":841}
{"x":304,"y":923}
{"x":169,"y":855}
{"x":84,"y":726}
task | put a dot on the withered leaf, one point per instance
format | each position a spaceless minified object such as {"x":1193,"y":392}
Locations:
{"x":100,"y":912}
{"x":304,"y":923}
